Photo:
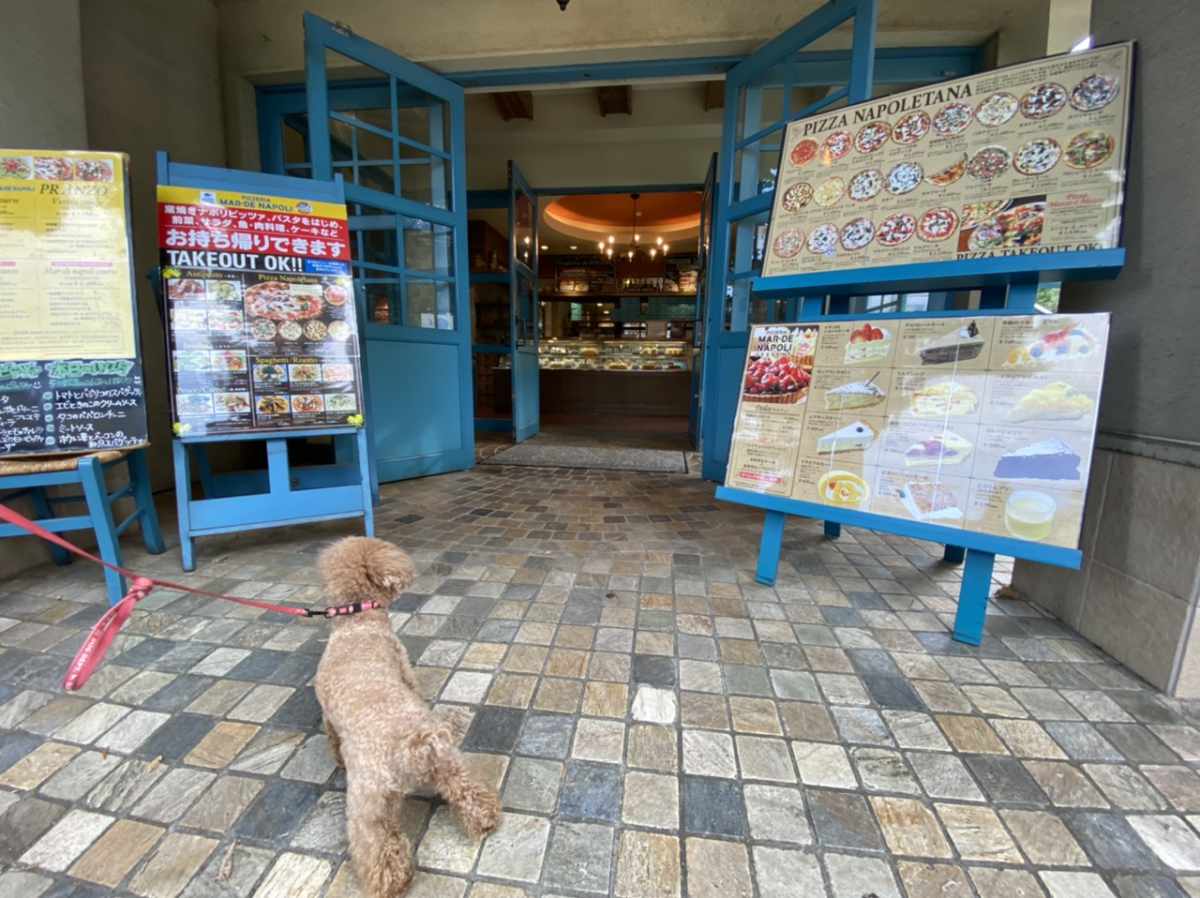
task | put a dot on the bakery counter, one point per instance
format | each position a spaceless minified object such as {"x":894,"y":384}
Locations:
{"x":634,"y":393}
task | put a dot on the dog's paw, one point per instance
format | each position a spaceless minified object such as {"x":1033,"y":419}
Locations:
{"x":480,"y":812}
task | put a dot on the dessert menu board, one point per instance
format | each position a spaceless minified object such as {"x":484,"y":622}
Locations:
{"x":983,"y":424}
{"x":262,"y":327}
{"x":1025,"y":159}
{"x":70,"y":372}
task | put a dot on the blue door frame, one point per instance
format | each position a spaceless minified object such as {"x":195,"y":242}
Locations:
{"x":524,"y":313}
{"x":708,"y":198}
{"x":413,"y":253}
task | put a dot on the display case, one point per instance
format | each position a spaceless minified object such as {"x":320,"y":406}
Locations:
{"x":642,"y":356}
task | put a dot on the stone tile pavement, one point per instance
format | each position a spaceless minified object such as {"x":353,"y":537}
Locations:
{"x":657,"y":723}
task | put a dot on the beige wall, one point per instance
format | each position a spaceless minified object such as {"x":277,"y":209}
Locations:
{"x":153,"y":83}
{"x":41,"y":76}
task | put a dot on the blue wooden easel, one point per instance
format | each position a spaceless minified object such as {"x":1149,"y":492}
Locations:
{"x":1009,"y":288}
{"x":281,"y":495}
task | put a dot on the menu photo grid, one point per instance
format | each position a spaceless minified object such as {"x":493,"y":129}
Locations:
{"x":984,"y":424}
{"x":1019,"y":160}
{"x":265,"y":350}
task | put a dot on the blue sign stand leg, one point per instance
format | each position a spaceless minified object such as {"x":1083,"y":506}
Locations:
{"x":832,"y":529}
{"x":973,"y":597}
{"x":769,"y":547}
{"x":183,"y":503}
{"x":91,"y":475}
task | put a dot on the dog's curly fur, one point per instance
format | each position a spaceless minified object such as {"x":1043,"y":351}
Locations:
{"x":379,"y":729}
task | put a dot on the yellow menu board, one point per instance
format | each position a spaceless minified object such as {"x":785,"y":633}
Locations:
{"x":65,"y":289}
{"x":70,"y":376}
{"x":1025,"y":159}
{"x":979,"y":423}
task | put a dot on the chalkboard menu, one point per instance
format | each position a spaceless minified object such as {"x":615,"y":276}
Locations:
{"x":975,"y":423}
{"x":70,"y":372}
{"x":262,"y":329}
{"x":1019,"y":160}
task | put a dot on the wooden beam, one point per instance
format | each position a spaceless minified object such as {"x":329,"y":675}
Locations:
{"x":714,"y":95}
{"x":514,"y":104}
{"x":615,"y":100}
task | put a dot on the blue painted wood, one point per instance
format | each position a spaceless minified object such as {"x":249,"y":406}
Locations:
{"x":973,"y":597}
{"x":523,"y":310}
{"x":421,"y":416}
{"x":183,"y":503}
{"x":708,"y":198}
{"x":953,"y":554}
{"x":89,"y":476}
{"x":967,"y":274}
{"x":997,"y":545}
{"x":833,"y":530}
{"x":769,"y":547}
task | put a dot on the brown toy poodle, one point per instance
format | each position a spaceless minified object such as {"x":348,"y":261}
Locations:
{"x":379,"y":729}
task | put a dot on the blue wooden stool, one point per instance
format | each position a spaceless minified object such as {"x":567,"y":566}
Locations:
{"x":31,"y":477}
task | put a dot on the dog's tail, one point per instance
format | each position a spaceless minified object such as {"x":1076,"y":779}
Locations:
{"x":358,"y":569}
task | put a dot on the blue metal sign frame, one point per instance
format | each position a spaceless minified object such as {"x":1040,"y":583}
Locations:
{"x":281,"y":495}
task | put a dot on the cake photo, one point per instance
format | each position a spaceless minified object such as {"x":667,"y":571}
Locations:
{"x":947,"y":449}
{"x":1056,"y":401}
{"x":925,"y":500}
{"x":847,"y":439}
{"x":868,"y":343}
{"x":946,"y":399}
{"x":843,"y":488}
{"x":858,"y":394}
{"x":959,"y":345}
{"x":1044,"y":460}
{"x":1070,"y":343}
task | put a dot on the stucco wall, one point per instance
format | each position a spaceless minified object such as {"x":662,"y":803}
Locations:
{"x":1136,"y":596}
{"x":41,"y":77}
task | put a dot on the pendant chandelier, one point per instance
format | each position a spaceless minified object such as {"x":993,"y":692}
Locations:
{"x":635,"y":248}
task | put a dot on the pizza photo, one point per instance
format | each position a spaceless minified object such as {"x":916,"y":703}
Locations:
{"x":291,"y":330}
{"x":905,"y":178}
{"x":996,"y":109}
{"x":1019,"y":226}
{"x":93,"y":170}
{"x":278,"y":302}
{"x":836,"y":146}
{"x":1037,"y":156}
{"x":797,"y":197}
{"x":829,"y":192}
{"x":974,"y":213}
{"x":1043,"y":100}
{"x":823,"y":240}
{"x":16,"y":167}
{"x":954,"y":118}
{"x":803,"y":152}
{"x":262,"y":329}
{"x":937,"y":224}
{"x":336,"y":295}
{"x":1093,"y":92}
{"x":989,"y":162}
{"x":949,"y":174}
{"x":789,"y":243}
{"x":911,"y":128}
{"x":865,"y":184}
{"x":340,"y":330}
{"x":896,"y":229}
{"x":52,"y":168}
{"x":1088,"y":149}
{"x":315,"y":330}
{"x":857,"y":233}
{"x":871,"y":137}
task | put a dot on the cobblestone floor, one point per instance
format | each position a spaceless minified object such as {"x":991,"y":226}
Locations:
{"x":658,"y":724}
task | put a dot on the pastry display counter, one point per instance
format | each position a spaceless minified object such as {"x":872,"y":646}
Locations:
{"x":637,"y":378}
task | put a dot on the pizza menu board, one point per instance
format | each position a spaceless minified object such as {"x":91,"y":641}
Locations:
{"x":262,"y":324}
{"x":70,"y":373}
{"x":1025,"y":159}
{"x":983,"y":424}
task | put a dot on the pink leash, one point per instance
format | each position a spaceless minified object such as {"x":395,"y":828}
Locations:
{"x":92,"y":652}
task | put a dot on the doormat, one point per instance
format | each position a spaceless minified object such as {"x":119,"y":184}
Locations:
{"x":657,"y":461}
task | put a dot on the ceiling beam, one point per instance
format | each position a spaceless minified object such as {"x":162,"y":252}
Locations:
{"x":714,"y":95}
{"x":616,"y":100}
{"x":513,"y":104}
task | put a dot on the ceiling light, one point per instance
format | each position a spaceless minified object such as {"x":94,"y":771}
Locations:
{"x":612,"y":239}
{"x":653,"y":252}
{"x":544,"y":247}
{"x":610,"y":252}
{"x":637,"y":237}
{"x":658,"y":240}
{"x":527,"y":239}
{"x":573,"y":246}
{"x":601,"y":245}
{"x":666,"y":249}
